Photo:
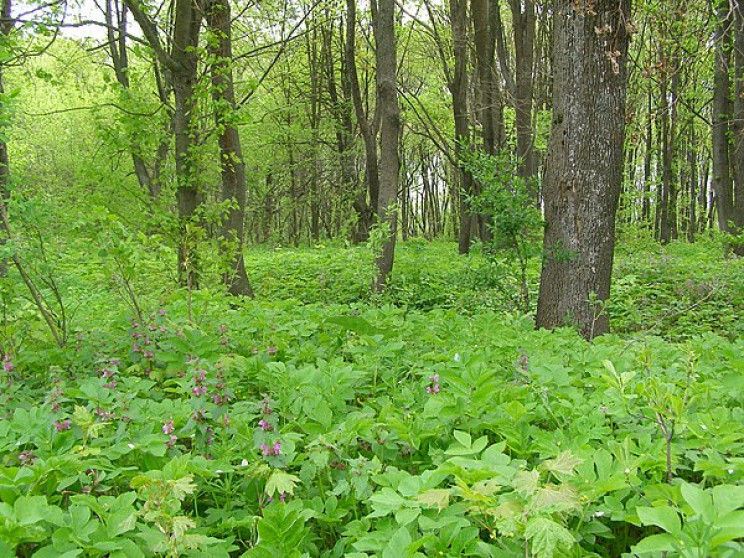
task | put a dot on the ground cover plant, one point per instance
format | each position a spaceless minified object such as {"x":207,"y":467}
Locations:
{"x":318,"y":420}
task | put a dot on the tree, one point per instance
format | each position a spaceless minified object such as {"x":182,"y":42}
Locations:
{"x":387,"y":94}
{"x":180,"y":67}
{"x":727,"y":130}
{"x":232,"y":166}
{"x":585,"y":161}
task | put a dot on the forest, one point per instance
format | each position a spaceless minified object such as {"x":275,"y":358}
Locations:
{"x":356,"y":279}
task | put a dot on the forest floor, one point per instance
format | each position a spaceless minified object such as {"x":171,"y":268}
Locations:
{"x":319,"y":420}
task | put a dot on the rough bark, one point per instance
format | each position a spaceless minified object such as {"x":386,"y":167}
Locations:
{"x":387,"y":94}
{"x":585,"y":162}
{"x":232,"y":167}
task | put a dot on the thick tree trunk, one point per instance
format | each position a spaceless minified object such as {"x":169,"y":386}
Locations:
{"x":232,"y":166}
{"x":387,"y":94}
{"x":585,"y":162}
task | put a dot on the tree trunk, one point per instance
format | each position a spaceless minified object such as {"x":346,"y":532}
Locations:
{"x":458,"y":87}
{"x":737,"y":127}
{"x":387,"y":94}
{"x":232,"y":166}
{"x":585,"y":162}
{"x":365,"y":209}
{"x":180,"y":66}
{"x":721,"y":119}
{"x":524,"y":19}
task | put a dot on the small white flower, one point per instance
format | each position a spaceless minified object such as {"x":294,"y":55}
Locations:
{"x":703,"y":427}
{"x":244,"y":463}
{"x":130,"y":446}
{"x":730,"y":471}
{"x":218,"y":471}
{"x":457,"y":357}
{"x":599,"y":514}
{"x":627,"y":471}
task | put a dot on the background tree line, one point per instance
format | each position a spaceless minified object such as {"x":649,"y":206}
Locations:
{"x":213,"y":124}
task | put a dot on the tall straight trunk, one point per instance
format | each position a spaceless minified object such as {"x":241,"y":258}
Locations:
{"x":341,"y":107}
{"x":458,"y":87}
{"x":368,"y":129}
{"x":585,"y":163}
{"x":232,"y":166}
{"x":487,"y":85}
{"x":7,"y":23}
{"x":692,"y":162}
{"x":737,"y":127}
{"x":387,"y":94}
{"x":524,"y":22}
{"x":721,"y":119}
{"x":646,"y":192}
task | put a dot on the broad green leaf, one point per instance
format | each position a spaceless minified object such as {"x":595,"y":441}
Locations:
{"x":655,"y":543}
{"x":463,"y":437}
{"x":699,"y":500}
{"x":662,"y":516}
{"x":398,"y":545}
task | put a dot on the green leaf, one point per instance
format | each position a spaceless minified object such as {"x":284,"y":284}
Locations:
{"x":564,"y":464}
{"x":398,"y":545}
{"x":385,"y":502}
{"x":464,"y":438}
{"x":699,"y":500}
{"x":281,"y":483}
{"x":662,"y":516}
{"x":438,"y":497}
{"x":655,"y":543}
{"x":546,"y":537}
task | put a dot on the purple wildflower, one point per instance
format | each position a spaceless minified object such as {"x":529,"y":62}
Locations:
{"x":199,"y":390}
{"x":168,"y":427}
{"x":265,"y":425}
{"x":61,"y":425}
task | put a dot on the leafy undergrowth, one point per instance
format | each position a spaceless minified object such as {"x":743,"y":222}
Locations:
{"x":422,"y":424}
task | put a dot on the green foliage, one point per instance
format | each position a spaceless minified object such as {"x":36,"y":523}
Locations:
{"x":282,"y":428}
{"x":514,"y":219}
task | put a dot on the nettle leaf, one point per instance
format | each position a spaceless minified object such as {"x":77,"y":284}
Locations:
{"x":557,"y":497}
{"x":180,"y":525}
{"x":526,"y":482}
{"x":281,"y":483}
{"x":182,"y":487}
{"x":662,"y":516}
{"x":438,"y":497}
{"x":546,"y":537}
{"x":564,"y":464}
